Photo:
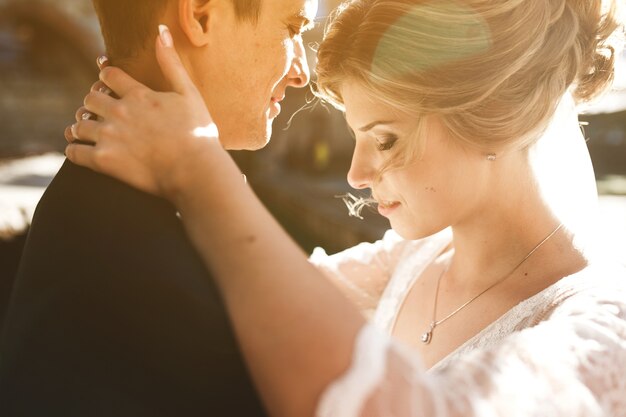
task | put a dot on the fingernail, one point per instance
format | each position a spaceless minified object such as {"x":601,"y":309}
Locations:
{"x":73,"y":128}
{"x":166,"y":36}
{"x":86,"y":116}
{"x":68,"y":134}
{"x":102,"y":59}
{"x":105,"y":90}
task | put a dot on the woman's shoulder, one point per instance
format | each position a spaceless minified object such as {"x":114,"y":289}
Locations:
{"x":597,"y":289}
{"x":597,"y":277}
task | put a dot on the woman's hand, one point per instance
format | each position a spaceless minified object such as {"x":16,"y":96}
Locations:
{"x":82,"y":113}
{"x":144,"y":138}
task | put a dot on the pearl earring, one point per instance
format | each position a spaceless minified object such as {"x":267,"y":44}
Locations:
{"x":491,"y":157}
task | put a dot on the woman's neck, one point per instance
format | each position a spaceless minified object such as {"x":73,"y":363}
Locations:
{"x":511,"y":221}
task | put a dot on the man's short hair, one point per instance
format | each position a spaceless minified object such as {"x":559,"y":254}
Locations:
{"x":128,"y":25}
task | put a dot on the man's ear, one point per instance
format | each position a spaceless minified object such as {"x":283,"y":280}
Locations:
{"x":194,"y":16}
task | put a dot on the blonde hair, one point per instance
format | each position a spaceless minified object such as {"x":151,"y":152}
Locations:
{"x":492,"y":71}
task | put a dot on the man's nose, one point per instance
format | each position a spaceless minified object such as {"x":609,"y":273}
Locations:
{"x":299,"y":74}
{"x":362,"y":171}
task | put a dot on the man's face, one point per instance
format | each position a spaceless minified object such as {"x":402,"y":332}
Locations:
{"x":244,"y":72}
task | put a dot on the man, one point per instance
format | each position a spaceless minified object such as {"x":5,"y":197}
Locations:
{"x":113,"y":313}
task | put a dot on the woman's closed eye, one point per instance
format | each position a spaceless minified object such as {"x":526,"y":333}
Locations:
{"x":385,"y":143}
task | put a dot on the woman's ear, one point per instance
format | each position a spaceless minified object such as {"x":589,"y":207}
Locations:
{"x":194,"y":16}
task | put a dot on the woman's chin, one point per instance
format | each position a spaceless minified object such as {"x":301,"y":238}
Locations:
{"x":413,"y":232}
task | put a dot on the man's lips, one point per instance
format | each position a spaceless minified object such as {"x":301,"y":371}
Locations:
{"x":275,"y":105}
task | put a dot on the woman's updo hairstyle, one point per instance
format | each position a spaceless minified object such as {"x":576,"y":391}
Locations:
{"x":493,"y":71}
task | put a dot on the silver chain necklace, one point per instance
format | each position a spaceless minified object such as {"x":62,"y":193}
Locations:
{"x":428,"y":335}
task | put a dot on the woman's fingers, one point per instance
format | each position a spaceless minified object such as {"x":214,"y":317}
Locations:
{"x":101,"y":87}
{"x":102,"y":61}
{"x":119,"y":82}
{"x":81,"y":154}
{"x":99,"y":103}
{"x":170,"y":63}
{"x":68,"y":134}
{"x":85,"y":131}
{"x":83,"y":114}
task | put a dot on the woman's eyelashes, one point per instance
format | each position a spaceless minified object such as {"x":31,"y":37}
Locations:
{"x":385,"y":143}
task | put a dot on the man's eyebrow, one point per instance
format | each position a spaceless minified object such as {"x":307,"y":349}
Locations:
{"x":304,"y":22}
{"x":369,"y":126}
{"x":308,"y":24}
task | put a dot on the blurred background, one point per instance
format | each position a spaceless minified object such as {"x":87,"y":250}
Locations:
{"x":47,"y":64}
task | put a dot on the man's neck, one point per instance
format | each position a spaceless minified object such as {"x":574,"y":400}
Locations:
{"x":146,"y":70}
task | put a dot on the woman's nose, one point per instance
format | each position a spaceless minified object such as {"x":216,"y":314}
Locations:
{"x":362,"y":170}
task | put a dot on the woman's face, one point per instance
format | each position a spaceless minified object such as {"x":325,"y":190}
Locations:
{"x":447,"y":184}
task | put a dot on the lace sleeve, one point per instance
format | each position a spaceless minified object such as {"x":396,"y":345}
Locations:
{"x":572,"y":364}
{"x":361,"y":272}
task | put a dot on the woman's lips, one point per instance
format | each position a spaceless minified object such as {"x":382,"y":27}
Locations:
{"x":385,"y":208}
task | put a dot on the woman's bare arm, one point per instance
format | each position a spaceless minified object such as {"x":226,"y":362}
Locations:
{"x":295,"y":328}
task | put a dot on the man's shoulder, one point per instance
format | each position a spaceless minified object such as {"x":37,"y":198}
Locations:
{"x":88,"y":224}
{"x":82,"y":209}
{"x":76,"y":187}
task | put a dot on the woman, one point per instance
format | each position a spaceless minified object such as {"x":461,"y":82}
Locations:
{"x":490,"y":289}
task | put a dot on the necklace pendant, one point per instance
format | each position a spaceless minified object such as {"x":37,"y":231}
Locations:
{"x":428,"y":336}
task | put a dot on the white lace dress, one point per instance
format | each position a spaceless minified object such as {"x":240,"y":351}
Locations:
{"x":562,"y":352}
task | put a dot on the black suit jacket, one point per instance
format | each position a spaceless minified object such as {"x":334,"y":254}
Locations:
{"x":114,"y":314}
